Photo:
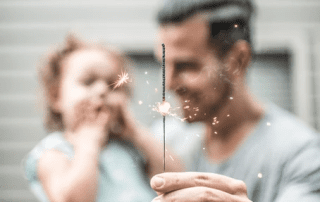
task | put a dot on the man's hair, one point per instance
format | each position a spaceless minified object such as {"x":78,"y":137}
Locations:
{"x":229,"y":20}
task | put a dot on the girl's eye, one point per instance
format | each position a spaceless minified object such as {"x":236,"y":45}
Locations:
{"x":88,"y":81}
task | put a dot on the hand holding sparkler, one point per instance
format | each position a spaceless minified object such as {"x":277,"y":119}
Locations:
{"x":193,"y":186}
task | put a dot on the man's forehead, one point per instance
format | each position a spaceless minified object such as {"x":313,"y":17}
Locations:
{"x":189,"y":36}
{"x":189,"y":29}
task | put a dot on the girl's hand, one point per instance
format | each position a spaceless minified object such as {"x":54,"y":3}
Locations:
{"x":91,"y":124}
{"x":122,"y":124}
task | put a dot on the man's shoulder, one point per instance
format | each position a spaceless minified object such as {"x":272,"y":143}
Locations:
{"x":287,"y":133}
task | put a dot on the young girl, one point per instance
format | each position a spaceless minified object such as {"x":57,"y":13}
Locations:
{"x":95,"y":150}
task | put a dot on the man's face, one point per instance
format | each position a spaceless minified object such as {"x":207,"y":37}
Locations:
{"x":193,"y":71}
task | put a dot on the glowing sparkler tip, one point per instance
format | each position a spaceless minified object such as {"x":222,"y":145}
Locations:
{"x":164,"y":108}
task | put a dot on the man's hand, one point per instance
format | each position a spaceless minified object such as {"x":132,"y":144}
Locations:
{"x":193,"y":186}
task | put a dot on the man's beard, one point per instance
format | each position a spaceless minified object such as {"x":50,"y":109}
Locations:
{"x":213,"y":109}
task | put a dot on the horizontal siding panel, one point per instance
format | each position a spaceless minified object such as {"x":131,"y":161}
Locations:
{"x":14,"y":61}
{"x":21,"y":132}
{"x":142,"y":11}
{"x":29,"y":36}
{"x":13,"y":156}
{"x":129,"y":35}
{"x":19,"y":84}
{"x":13,"y":179}
{"x":75,"y":12}
{"x":19,"y":109}
{"x":17,"y":196}
{"x":288,"y":12}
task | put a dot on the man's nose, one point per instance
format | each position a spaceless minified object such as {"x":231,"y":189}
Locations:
{"x":171,"y":79}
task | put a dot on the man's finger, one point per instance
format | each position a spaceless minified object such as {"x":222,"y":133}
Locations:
{"x":196,"y":194}
{"x":167,"y":182}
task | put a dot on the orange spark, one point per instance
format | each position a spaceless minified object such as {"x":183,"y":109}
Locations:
{"x":163,"y":108}
{"x":123,"y":78}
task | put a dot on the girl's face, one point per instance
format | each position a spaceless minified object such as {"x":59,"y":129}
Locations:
{"x":87,"y":75}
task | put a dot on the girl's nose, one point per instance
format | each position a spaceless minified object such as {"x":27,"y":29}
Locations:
{"x":101,"y":89}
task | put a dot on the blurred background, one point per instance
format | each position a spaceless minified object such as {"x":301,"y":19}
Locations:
{"x":285,"y":69}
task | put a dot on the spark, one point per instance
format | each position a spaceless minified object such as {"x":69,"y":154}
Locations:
{"x":147,"y":82}
{"x":204,"y":148}
{"x":231,"y":98}
{"x":156,"y":90}
{"x":235,"y":25}
{"x":259,"y":175}
{"x":215,"y":121}
{"x":268,"y":124}
{"x":166,"y":109}
{"x":228,"y":115}
{"x":171,"y":157}
{"x":140,"y":102}
{"x":123,"y":78}
{"x":145,"y":72}
{"x":163,"y":108}
{"x":186,"y":107}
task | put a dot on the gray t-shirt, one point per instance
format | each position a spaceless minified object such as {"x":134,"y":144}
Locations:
{"x":279,"y":161}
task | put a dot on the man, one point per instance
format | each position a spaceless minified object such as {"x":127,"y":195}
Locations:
{"x":250,"y":151}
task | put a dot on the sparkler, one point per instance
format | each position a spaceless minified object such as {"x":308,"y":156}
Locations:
{"x":123,"y":78}
{"x":167,"y":107}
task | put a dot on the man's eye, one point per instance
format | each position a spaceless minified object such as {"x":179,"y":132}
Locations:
{"x":186,"y":66}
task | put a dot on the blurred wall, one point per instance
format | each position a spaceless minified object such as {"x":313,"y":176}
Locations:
{"x":28,"y":28}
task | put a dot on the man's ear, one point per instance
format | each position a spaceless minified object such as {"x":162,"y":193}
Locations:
{"x":238,"y":59}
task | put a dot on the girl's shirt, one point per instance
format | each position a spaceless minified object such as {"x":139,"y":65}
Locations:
{"x":121,"y":170}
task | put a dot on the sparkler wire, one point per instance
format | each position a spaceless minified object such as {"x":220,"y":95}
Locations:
{"x":163,"y":100}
